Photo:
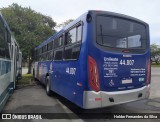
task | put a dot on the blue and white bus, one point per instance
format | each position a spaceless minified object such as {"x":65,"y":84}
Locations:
{"x":10,"y":62}
{"x":100,"y":59}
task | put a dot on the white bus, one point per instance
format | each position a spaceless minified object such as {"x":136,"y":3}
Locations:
{"x":10,"y":62}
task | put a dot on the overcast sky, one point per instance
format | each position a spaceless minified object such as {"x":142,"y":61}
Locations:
{"x":61,"y":10}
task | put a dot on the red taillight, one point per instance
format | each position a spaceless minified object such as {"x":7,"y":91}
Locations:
{"x":148,"y":72}
{"x":93,"y":74}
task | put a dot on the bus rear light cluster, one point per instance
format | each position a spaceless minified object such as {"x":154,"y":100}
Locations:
{"x":148,"y":72}
{"x":93,"y":74}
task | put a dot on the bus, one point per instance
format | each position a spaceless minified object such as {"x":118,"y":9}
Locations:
{"x":10,"y":62}
{"x":98,"y":60}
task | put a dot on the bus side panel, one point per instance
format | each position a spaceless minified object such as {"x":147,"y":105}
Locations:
{"x":39,"y":71}
{"x":7,"y":63}
{"x":89,"y":38}
{"x":63,"y":81}
{"x":82,"y":72}
{"x":45,"y":71}
{"x":69,"y":78}
{"x":6,"y":87}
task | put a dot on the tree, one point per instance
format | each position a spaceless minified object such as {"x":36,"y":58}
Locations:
{"x":29,"y":28}
{"x":63,"y":24}
{"x":155,"y":53}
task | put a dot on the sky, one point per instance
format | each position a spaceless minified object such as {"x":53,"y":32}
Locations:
{"x":61,"y":10}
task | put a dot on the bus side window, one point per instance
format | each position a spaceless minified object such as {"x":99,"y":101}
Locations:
{"x":77,"y":46}
{"x":58,"y":55}
{"x":79,"y":33}
{"x":45,"y":53}
{"x":73,"y":43}
{"x":2,"y":39}
{"x":70,"y":38}
{"x":47,"y":50}
{"x":68,"y":52}
{"x":40,"y":54}
{"x":48,"y":53}
{"x":58,"y":45}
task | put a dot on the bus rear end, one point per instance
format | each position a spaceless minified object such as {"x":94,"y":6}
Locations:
{"x":118,"y":60}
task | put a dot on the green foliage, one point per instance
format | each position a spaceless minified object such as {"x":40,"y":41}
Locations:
{"x":155,"y":53}
{"x":63,"y":24}
{"x":29,"y":27}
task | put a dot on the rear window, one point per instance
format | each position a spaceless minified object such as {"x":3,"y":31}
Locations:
{"x":120,"y":33}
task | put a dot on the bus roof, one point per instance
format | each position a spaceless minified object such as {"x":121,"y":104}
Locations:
{"x":117,"y":15}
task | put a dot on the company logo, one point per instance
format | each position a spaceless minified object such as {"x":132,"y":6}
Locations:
{"x":6,"y":116}
{"x":23,"y":116}
{"x":110,"y":59}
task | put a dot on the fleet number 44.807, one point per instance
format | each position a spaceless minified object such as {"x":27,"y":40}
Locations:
{"x":71,"y":71}
{"x":126,"y":62}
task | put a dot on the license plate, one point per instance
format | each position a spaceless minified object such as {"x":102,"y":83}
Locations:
{"x":126,"y":81}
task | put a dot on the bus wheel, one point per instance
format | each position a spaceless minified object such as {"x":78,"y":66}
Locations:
{"x":48,"y":86}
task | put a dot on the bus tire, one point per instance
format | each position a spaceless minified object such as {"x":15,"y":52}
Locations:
{"x":48,"y":86}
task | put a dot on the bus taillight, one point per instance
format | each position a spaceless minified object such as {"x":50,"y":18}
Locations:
{"x":148,"y":72}
{"x":93,"y":74}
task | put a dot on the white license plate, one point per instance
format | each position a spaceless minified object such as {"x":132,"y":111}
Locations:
{"x":126,"y":81}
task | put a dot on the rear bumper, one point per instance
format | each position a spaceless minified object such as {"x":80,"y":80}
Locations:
{"x":100,"y":99}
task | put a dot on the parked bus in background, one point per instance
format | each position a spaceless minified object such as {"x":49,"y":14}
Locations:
{"x":10,"y":62}
{"x":100,"y":59}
